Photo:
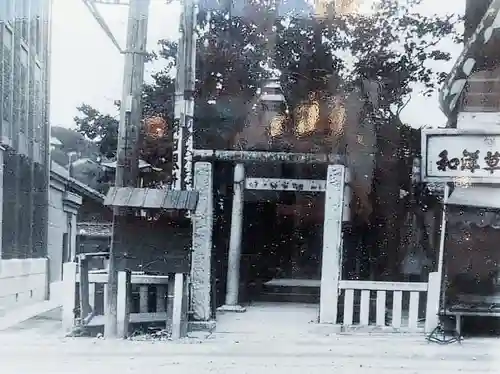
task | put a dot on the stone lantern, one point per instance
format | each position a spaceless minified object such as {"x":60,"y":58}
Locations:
{"x":272,"y":106}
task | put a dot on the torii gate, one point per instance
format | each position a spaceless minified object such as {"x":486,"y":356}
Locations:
{"x":334,"y":187}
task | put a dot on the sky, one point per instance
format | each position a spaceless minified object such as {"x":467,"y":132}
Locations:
{"x":87,"y":67}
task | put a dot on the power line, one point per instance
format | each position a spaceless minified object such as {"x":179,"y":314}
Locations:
{"x":91,"y":6}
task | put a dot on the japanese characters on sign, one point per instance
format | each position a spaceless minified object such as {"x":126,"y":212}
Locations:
{"x":451,"y":155}
{"x":469,"y":161}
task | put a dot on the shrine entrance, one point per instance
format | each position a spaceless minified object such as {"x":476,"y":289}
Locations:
{"x":282,"y":235}
{"x":302,"y":253}
{"x":203,"y":282}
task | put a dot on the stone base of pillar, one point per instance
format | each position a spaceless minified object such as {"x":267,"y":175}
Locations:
{"x":206,"y":326}
{"x":232,"y":308}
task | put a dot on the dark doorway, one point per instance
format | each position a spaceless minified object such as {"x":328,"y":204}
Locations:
{"x":280,"y":246}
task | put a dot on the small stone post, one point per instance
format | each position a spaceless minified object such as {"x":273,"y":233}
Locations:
{"x":235,"y":240}
{"x":69,"y":296}
{"x":177,"y":308}
{"x":432,"y":307}
{"x":123,"y":303}
{"x":332,"y":241}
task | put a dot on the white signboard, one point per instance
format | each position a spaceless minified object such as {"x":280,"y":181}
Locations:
{"x":453,"y":155}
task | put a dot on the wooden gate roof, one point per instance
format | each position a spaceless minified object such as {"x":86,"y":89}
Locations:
{"x":151,"y":198}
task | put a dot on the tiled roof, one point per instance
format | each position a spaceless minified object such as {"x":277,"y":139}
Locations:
{"x":151,"y":198}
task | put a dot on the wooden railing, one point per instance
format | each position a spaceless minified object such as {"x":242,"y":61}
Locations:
{"x":399,"y":306}
{"x":141,"y":299}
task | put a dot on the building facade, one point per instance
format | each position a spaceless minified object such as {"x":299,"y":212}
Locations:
{"x":470,"y":99}
{"x":24,"y":126}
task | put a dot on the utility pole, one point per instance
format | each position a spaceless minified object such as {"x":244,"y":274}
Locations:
{"x":128,"y":136}
{"x":184,"y":98}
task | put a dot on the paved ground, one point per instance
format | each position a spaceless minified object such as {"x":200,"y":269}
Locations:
{"x":263,"y":340}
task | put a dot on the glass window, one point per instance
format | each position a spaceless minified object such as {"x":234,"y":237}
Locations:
{"x":37,"y":116}
{"x":24,"y":19}
{"x":23,"y":90}
{"x":7,"y":75}
{"x":34,"y":22}
{"x":31,"y":105}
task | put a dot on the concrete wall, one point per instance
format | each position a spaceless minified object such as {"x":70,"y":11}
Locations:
{"x":58,"y":226}
{"x":22,"y":282}
{"x":63,"y":209}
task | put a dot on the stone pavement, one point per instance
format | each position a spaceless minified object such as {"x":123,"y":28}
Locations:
{"x":263,"y":340}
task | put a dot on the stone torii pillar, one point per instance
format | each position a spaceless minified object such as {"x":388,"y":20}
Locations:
{"x":235,"y":241}
{"x":202,"y":221}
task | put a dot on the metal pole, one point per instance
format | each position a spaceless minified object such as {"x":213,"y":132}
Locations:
{"x":128,"y":135}
{"x":442,"y":238}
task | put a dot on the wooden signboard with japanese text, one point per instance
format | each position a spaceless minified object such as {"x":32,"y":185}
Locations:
{"x":454,"y":155}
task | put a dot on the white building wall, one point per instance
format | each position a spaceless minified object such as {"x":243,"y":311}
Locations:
{"x":57,"y":228}
{"x":63,"y":207}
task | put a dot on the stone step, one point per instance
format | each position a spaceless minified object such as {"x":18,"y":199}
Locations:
{"x":290,"y":290}
{"x":288,"y":298}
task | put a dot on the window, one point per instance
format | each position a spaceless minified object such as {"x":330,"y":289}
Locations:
{"x":44,"y":123}
{"x":41,"y":16}
{"x":70,"y":256}
{"x":7,"y":76}
{"x":65,"y":249}
{"x":35,"y":17}
{"x":23,"y":91}
{"x":31,"y":107}
{"x":24,"y":19}
{"x":37,"y":105}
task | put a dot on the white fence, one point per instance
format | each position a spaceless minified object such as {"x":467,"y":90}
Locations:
{"x":396,"y":306}
{"x":141,"y":299}
{"x":23,"y":282}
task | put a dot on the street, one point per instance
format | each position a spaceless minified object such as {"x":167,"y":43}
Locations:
{"x":243,"y":344}
{"x":343,"y":354}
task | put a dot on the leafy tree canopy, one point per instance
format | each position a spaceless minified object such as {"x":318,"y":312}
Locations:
{"x":381,"y":54}
{"x":345,"y":76}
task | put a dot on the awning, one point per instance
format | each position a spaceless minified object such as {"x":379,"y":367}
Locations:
{"x":476,"y":196}
{"x":151,"y":198}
